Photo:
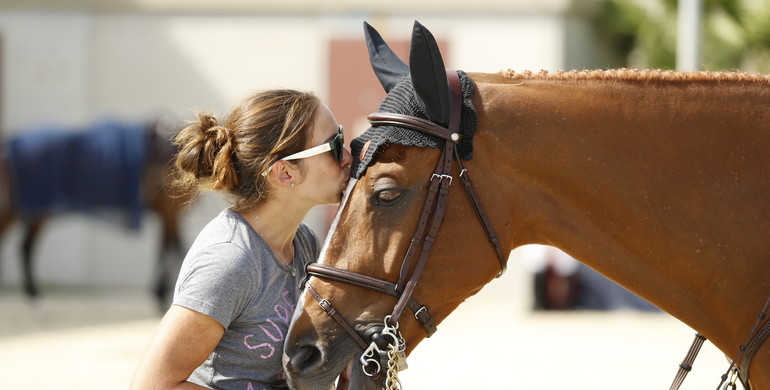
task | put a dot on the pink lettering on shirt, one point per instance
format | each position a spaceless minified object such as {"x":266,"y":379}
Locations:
{"x":272,"y":337}
{"x":263,"y":345}
{"x":284,"y":313}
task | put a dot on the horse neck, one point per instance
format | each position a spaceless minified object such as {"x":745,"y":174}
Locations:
{"x":653,"y":185}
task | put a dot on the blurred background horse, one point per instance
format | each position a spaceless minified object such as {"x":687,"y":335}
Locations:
{"x":111,"y":170}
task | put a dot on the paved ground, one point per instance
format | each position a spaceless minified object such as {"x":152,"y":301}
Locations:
{"x":92,"y":339}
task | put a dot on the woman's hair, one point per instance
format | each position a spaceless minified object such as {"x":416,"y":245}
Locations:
{"x":232,"y":156}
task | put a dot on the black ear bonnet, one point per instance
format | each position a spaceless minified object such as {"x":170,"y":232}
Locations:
{"x":401,"y":100}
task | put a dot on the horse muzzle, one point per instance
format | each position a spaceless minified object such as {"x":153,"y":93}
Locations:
{"x":315,"y":356}
{"x":308,"y":370}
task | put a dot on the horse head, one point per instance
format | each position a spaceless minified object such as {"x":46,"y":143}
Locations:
{"x":405,"y":240}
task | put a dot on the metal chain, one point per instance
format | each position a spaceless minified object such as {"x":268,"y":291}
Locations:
{"x":395,"y":354}
{"x":391,"y":381}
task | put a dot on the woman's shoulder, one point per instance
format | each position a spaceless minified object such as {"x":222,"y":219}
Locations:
{"x":226,"y":227}
{"x":222,"y":253}
{"x":307,"y":235}
{"x":306,"y":230}
{"x":228,"y":234}
{"x":308,"y":244}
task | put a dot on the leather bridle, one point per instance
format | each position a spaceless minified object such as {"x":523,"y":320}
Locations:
{"x":427,"y":229}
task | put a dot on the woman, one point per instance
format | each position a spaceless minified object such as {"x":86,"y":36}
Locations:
{"x":278,"y":154}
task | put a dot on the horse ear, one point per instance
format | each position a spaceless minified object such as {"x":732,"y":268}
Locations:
{"x":429,"y":75}
{"x":386,"y":64}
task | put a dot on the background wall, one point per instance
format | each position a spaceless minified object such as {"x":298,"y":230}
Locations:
{"x":78,"y":62}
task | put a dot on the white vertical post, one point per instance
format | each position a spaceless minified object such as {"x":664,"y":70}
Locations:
{"x":688,"y":35}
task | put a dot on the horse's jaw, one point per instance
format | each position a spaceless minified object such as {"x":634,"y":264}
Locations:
{"x":358,"y":380}
{"x":319,"y":376}
{"x":325,"y":379}
{"x":316,"y":355}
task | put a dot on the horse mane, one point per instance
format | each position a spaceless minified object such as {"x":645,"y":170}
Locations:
{"x":640,"y":76}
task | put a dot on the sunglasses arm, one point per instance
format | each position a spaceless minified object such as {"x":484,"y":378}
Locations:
{"x":309,"y":152}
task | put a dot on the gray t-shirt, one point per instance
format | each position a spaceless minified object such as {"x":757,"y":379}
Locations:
{"x":231,"y":275}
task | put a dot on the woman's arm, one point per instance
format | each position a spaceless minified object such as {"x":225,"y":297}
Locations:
{"x":183,"y":341}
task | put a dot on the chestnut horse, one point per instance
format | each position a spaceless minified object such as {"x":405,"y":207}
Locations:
{"x":152,"y":189}
{"x":658,"y":180}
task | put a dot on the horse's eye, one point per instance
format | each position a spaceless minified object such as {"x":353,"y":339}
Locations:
{"x":387,"y":197}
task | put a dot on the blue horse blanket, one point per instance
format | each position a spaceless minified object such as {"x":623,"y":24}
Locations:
{"x":95,"y":171}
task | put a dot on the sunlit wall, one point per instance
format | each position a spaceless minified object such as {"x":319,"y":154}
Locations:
{"x":71,"y":67}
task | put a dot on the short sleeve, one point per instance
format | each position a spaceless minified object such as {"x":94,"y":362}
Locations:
{"x":219,"y":281}
{"x":309,"y":244}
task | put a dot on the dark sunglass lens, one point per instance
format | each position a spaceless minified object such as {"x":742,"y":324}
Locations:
{"x":337,"y":146}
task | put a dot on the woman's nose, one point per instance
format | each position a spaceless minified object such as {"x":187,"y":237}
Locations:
{"x":347,"y":158}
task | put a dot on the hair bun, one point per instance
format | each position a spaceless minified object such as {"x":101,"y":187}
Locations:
{"x":219,"y":135}
{"x":219,"y":150}
{"x":207,"y":152}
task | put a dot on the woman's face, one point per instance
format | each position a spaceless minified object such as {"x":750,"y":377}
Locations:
{"x":325,"y":178}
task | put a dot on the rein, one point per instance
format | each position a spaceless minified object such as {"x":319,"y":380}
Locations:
{"x":739,"y":366}
{"x":389,"y":344}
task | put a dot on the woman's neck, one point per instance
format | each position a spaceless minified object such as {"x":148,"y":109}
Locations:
{"x":276,"y":222}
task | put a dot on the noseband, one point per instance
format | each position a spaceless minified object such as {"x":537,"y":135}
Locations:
{"x":422,"y":241}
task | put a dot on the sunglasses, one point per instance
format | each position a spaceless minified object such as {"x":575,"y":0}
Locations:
{"x":335,"y":146}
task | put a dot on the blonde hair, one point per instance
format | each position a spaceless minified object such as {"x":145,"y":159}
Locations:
{"x":260,"y":130}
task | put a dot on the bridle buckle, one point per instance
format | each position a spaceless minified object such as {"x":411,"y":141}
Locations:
{"x":417,"y":313}
{"x":441,"y":178}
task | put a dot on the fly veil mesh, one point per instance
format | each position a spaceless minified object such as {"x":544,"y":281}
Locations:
{"x":401,"y":100}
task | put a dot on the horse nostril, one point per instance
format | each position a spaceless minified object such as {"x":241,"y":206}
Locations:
{"x":305,"y":358}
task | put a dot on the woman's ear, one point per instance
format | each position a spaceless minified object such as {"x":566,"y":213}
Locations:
{"x":286,"y":173}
